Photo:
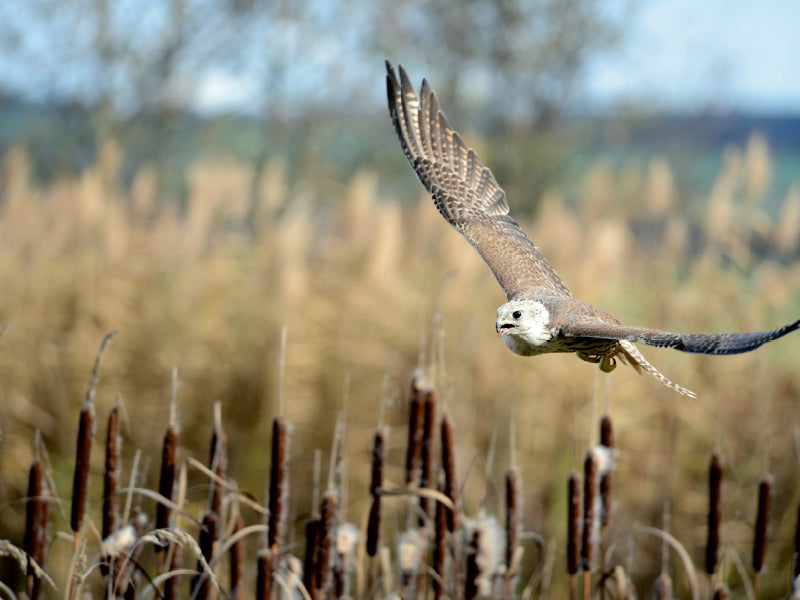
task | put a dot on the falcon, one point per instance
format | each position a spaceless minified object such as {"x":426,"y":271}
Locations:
{"x":541,"y":314}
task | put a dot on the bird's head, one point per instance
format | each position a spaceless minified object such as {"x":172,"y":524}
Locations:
{"x":523,"y":320}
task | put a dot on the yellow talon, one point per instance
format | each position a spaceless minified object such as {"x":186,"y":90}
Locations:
{"x":608,"y":364}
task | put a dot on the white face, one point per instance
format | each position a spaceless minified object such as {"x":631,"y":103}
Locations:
{"x":527,"y":320}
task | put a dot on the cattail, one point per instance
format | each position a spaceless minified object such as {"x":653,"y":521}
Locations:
{"x":278,"y":485}
{"x":83,"y":455}
{"x":166,"y":480}
{"x":83,"y":451}
{"x":796,"y":553}
{"x":714,"y":508}
{"x":449,"y":466}
{"x":589,"y":513}
{"x":426,"y":454}
{"x":606,"y":441}
{"x":111,"y":473}
{"x":410,"y":551}
{"x":346,"y":542}
{"x":202,"y":587}
{"x":219,"y":462}
{"x":238,"y":557}
{"x":416,"y":421}
{"x":313,"y":526}
{"x":573,"y":531}
{"x":513,"y":517}
{"x":264,"y":575}
{"x":440,"y":548}
{"x":37,"y":516}
{"x":473,"y":569}
{"x":326,"y":533}
{"x":375,"y":484}
{"x":762,"y":518}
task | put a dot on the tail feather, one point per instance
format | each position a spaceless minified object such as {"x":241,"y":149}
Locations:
{"x":629,"y":354}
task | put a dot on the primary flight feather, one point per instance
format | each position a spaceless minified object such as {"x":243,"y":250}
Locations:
{"x":541,"y":314}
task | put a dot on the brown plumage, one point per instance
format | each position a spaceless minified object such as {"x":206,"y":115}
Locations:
{"x":541,"y":315}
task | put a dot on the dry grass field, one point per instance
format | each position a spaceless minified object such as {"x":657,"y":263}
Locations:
{"x":369,"y":289}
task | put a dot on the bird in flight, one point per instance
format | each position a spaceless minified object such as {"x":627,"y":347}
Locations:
{"x":541,"y":315}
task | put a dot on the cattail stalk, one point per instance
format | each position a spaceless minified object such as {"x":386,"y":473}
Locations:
{"x":202,"y":588}
{"x":427,"y":454}
{"x":440,"y":548}
{"x":313,"y":526}
{"x":607,"y":441}
{"x":513,"y":518}
{"x":264,"y":575}
{"x":238,"y":558}
{"x":573,"y":530}
{"x":278,"y":486}
{"x":37,"y":516}
{"x":589,"y":518}
{"x":83,"y":454}
{"x":714,"y":513}
{"x":447,"y":434}
{"x":326,"y":534}
{"x":111,"y":474}
{"x":762,"y":519}
{"x":375,"y":484}
{"x":416,"y":422}
{"x":796,"y":553}
{"x":471,"y":586}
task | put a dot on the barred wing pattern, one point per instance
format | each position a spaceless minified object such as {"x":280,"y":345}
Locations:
{"x":465,"y":191}
{"x":696,"y":343}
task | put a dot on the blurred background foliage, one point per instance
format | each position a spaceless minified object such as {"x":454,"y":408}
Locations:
{"x":126,"y":203}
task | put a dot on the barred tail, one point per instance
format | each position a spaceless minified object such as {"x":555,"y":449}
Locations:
{"x":629,"y":354}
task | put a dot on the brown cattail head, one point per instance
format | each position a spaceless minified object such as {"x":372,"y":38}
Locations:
{"x":714,"y":513}
{"x":313,"y":526}
{"x":37,"y":516}
{"x":449,"y":467}
{"x":374,"y":526}
{"x":762,"y":520}
{"x":606,"y":432}
{"x":378,"y":457}
{"x":796,"y":553}
{"x":166,"y":480}
{"x":326,"y":535}
{"x":202,"y":587}
{"x":573,"y":523}
{"x":278,"y":484}
{"x":238,"y":558}
{"x":589,"y":514}
{"x":427,"y":479}
{"x":440,"y":548}
{"x":219,"y":462}
{"x":606,"y":478}
{"x":111,"y":473}
{"x":416,"y":423}
{"x":513,"y":516}
{"x":83,"y":456}
{"x":264,"y":575}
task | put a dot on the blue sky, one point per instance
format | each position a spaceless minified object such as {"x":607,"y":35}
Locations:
{"x":677,"y":55}
{"x":730,"y":54}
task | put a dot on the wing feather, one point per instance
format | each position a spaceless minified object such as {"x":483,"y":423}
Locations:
{"x":465,"y":191}
{"x":696,"y":343}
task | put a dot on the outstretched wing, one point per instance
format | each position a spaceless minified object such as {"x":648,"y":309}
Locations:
{"x":465,"y":191}
{"x":697,"y":343}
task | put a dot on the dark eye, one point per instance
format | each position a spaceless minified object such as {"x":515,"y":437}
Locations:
{"x":516,"y":314}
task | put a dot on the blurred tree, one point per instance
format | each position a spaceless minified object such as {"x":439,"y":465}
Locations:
{"x":138,"y":66}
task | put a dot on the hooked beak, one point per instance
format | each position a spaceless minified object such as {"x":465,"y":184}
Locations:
{"x":503,"y":327}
